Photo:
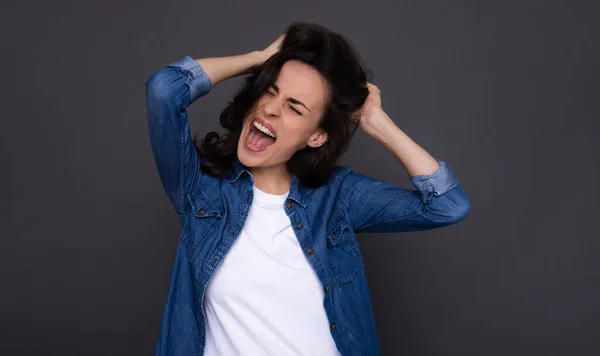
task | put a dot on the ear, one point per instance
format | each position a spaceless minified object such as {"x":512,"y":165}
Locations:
{"x":317,"y":139}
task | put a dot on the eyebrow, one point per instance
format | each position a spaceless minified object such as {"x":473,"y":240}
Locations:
{"x":294,"y":101}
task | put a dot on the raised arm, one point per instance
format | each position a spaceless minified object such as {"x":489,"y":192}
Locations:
{"x":221,"y":68}
{"x":376,"y":206}
{"x":169,"y":92}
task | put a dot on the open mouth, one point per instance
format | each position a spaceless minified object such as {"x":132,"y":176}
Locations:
{"x":259,"y":137}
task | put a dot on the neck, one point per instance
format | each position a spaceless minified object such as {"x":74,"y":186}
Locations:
{"x":272,"y":180}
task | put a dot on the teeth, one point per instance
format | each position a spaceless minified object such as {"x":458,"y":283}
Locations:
{"x":263,"y":129}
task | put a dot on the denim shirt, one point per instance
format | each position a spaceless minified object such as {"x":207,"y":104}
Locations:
{"x":325,"y":220}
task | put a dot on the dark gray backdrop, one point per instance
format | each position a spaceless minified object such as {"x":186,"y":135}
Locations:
{"x":504,"y":91}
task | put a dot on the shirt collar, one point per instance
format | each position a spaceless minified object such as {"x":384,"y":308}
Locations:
{"x":296,"y":188}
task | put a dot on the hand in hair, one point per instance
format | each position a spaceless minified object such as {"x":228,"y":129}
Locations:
{"x":273,"y":47}
{"x":371,"y":109}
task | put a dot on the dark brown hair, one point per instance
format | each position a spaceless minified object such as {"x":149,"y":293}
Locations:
{"x":335,"y":59}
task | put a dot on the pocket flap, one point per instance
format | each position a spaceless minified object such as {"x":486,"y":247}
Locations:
{"x":203,"y":206}
{"x":335,"y":229}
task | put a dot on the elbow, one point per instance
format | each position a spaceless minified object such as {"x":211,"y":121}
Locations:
{"x":161,"y":85}
{"x":462,"y":209}
{"x":156,"y":86}
{"x":450,"y":207}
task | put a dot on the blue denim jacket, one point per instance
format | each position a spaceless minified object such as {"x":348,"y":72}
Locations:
{"x":325,"y":219}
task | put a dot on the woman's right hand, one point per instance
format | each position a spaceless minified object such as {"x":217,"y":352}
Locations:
{"x":219,"y":69}
{"x":273,"y":47}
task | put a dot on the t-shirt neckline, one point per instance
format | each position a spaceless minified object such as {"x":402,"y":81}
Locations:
{"x":267,"y":200}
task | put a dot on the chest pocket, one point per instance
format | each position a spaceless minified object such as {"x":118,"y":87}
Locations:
{"x":205,"y":219}
{"x":344,"y":253}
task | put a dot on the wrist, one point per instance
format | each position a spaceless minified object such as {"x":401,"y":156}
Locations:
{"x":378,"y":124}
{"x":258,"y":57}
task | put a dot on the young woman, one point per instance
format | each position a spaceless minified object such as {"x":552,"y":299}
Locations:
{"x":267,"y":261}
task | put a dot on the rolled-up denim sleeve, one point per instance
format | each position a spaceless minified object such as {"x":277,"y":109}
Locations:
{"x":169,"y":91}
{"x":376,"y":206}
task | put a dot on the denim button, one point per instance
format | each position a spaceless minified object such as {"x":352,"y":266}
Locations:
{"x":298,"y":226}
{"x":201,"y":211}
{"x":326,"y":289}
{"x":289,"y":205}
{"x":333,"y":326}
{"x":310,"y":251}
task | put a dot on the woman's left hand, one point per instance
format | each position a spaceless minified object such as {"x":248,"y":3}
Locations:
{"x":371,"y":111}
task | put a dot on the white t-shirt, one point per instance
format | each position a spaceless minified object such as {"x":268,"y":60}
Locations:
{"x":265,"y":298}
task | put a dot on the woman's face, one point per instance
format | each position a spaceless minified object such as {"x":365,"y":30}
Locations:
{"x":290,"y":111}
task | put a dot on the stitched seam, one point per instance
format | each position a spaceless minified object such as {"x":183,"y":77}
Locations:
{"x":338,"y":227}
{"x":338,"y":191}
{"x":208,"y":201}
{"x":205,"y":233}
{"x":399,"y":218}
{"x":181,"y":178}
{"x":181,"y":175}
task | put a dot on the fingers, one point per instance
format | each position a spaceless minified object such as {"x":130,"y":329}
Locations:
{"x":373,"y":87}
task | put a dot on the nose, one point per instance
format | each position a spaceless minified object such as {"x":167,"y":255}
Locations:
{"x":272,"y":107}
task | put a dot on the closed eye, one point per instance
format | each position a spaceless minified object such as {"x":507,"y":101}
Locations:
{"x":297,"y":112}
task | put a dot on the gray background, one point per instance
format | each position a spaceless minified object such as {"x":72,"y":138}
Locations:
{"x":506,"y":92}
